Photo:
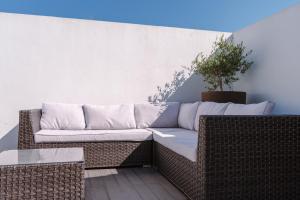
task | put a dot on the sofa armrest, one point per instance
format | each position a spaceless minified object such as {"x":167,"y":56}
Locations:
{"x":248,"y":157}
{"x":29,"y":123}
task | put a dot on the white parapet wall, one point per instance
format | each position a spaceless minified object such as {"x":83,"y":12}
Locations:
{"x":275,"y":75}
{"x":48,"y":59}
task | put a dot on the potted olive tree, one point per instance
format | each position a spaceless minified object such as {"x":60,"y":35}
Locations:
{"x":222,"y":68}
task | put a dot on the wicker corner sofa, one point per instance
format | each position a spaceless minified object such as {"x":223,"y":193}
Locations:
{"x":238,"y":157}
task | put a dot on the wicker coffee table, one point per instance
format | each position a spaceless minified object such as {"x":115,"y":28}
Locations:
{"x":42,"y":174}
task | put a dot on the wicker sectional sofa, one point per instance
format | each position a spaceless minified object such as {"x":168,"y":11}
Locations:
{"x":234,"y":157}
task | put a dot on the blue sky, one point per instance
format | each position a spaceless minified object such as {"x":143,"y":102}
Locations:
{"x":221,"y":15}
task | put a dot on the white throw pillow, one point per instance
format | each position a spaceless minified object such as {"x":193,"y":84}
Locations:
{"x":187,"y":114}
{"x":264,"y":108}
{"x":209,"y":108}
{"x":62,"y":116}
{"x":109,"y":117}
{"x":163,"y":115}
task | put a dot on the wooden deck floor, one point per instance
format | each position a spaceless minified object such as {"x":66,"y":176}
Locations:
{"x":129,"y":184}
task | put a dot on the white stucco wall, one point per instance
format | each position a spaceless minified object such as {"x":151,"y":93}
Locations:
{"x":80,"y":61}
{"x":276,"y":73}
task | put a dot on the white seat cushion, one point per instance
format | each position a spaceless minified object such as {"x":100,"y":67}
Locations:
{"x":44,"y":136}
{"x":264,"y":108}
{"x":163,"y":115}
{"x":187,"y":114}
{"x":209,"y":108}
{"x":182,"y":141}
{"x":109,"y":117}
{"x":62,"y":116}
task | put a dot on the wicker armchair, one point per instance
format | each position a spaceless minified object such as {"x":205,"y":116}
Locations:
{"x":97,"y":154}
{"x":239,"y":157}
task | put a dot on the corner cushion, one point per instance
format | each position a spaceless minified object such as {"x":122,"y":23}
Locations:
{"x":162,"y":115}
{"x":187,"y":114}
{"x":182,"y":141}
{"x":209,"y":108}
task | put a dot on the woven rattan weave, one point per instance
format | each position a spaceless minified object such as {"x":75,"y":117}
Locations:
{"x":238,"y":157}
{"x":97,"y":154}
{"x":24,"y":178}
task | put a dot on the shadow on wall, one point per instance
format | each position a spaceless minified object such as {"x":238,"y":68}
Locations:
{"x":184,"y":87}
{"x":10,"y":140}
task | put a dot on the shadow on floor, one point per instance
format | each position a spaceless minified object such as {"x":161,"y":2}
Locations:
{"x":129,"y":183}
{"x":10,"y":139}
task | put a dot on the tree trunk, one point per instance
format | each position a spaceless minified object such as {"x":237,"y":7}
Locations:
{"x":221,"y":84}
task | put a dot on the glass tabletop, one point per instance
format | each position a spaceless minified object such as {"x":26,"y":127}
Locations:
{"x":41,"y":156}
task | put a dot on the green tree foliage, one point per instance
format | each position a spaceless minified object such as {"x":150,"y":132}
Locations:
{"x":222,"y":67}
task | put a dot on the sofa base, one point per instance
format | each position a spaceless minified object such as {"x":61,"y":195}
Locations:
{"x":108,"y":154}
{"x":97,"y":154}
{"x":178,"y":170}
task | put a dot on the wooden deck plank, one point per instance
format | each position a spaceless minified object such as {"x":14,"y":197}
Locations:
{"x":113,"y":189}
{"x":144,"y":192}
{"x":129,"y":184}
{"x":126,"y":187}
{"x":153,"y":184}
{"x":95,"y":189}
{"x":177,"y":195}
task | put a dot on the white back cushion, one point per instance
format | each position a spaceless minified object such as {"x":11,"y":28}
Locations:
{"x":209,"y":108}
{"x":163,"y":115}
{"x":187,"y":114}
{"x":62,"y":116}
{"x":264,"y":108}
{"x":109,"y":117}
